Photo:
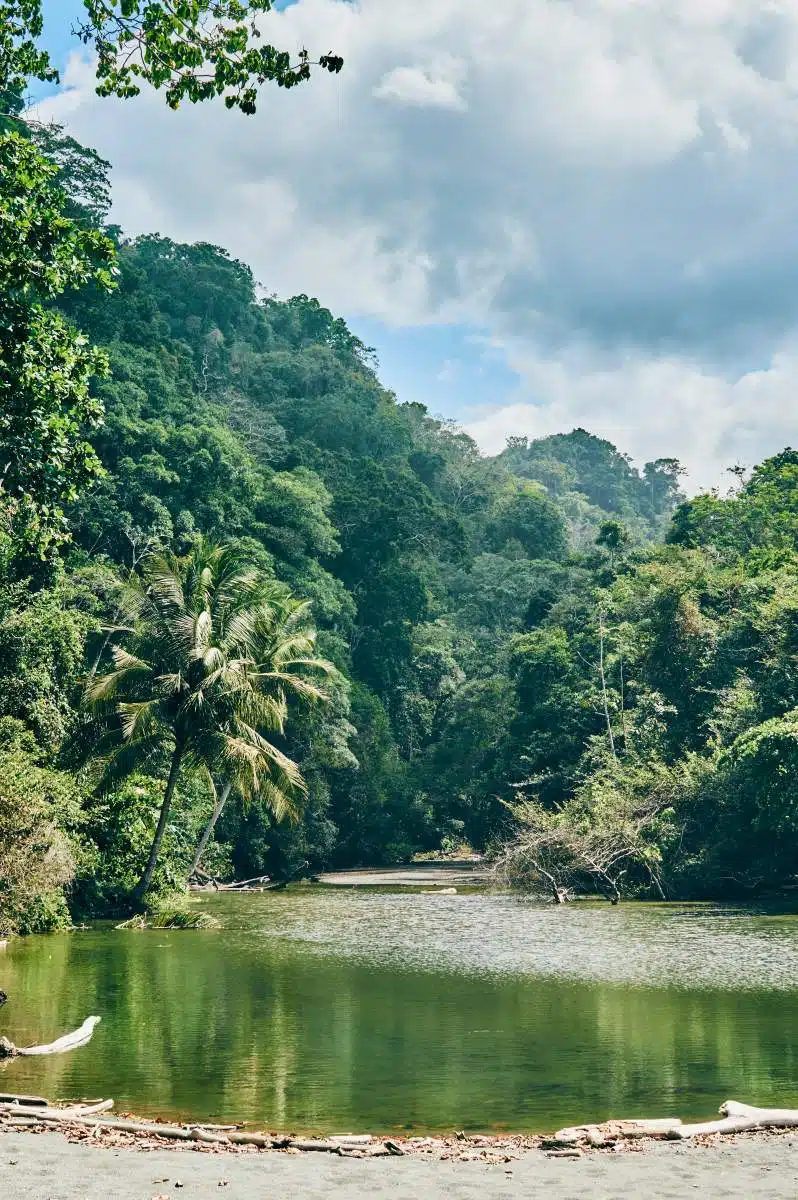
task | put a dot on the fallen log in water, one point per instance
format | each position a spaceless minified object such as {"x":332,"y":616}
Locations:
{"x":70,"y":1041}
{"x":240,"y":884}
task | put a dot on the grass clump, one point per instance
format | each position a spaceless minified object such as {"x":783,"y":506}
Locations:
{"x":171,"y":916}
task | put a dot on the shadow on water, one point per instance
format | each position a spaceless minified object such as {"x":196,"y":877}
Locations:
{"x":328,"y":1009}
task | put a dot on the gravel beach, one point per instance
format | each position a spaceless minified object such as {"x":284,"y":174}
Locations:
{"x":49,"y":1167}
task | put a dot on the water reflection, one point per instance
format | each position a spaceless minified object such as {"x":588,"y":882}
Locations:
{"x":323,"y":1010}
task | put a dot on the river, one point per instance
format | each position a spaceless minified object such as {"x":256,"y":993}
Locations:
{"x":338,"y":1009}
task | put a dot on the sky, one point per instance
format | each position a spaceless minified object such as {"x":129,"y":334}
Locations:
{"x":542,"y":213}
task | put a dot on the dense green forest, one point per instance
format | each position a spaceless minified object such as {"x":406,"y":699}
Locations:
{"x":242,"y":582}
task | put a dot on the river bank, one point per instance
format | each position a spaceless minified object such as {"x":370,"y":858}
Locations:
{"x":32,"y":1167}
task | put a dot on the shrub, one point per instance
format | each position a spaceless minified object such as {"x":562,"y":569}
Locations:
{"x":40,"y":813}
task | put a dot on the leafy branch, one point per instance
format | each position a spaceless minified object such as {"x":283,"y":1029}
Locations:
{"x":194,"y":49}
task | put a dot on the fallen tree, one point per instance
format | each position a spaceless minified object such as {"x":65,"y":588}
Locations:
{"x":582,"y":849}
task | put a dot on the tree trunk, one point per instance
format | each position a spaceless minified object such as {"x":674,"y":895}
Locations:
{"x":146,"y":879}
{"x":219,"y":804}
{"x":604,"y":686}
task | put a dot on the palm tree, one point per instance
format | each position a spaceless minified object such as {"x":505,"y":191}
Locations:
{"x":282,"y":647}
{"x":192,"y":678}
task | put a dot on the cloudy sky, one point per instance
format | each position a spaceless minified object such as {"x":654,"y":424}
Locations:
{"x":543,"y":213}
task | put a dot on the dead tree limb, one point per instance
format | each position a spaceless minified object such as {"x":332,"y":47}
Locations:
{"x":70,"y":1041}
{"x":735,"y":1118}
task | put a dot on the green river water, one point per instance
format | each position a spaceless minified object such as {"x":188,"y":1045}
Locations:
{"x":332,"y":1009}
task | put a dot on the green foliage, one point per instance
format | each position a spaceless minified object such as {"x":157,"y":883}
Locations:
{"x":526,"y":517}
{"x":194,"y":49}
{"x":760,"y":522}
{"x":39,"y":819}
{"x":212,"y":651}
{"x":699,"y":695}
{"x":46,"y":409}
{"x":120,"y":825}
{"x":593,"y":481}
{"x":80,"y":172}
{"x":20,"y":58}
{"x":45,"y":636}
{"x":613,"y":537}
{"x":743,"y":822}
{"x":609,"y":837}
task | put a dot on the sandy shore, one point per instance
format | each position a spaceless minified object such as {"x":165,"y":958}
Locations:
{"x":48,"y":1167}
{"x":427,"y":875}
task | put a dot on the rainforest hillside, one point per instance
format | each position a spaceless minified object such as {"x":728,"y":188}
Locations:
{"x":549,"y":655}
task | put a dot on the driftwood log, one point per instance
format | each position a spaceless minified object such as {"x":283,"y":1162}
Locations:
{"x":735,"y":1118}
{"x":70,"y":1041}
{"x":29,"y":1111}
{"x":86,"y":1114}
{"x":259,"y":883}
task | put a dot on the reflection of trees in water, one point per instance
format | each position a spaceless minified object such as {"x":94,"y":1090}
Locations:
{"x":248,"y":1027}
{"x":35,"y":974}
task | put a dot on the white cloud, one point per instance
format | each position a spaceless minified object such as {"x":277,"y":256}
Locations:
{"x":609,"y":186}
{"x":437,"y":86}
{"x":653,"y":407}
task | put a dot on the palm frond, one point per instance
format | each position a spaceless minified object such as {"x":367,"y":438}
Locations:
{"x":170,"y":683}
{"x":261,"y":710}
{"x":102,"y":689}
{"x":138,"y":719}
{"x":295,"y":683}
{"x":125,"y":661}
{"x":127,"y":758}
{"x":280,"y":802}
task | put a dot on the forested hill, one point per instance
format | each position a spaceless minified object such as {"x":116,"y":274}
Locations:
{"x":592,"y":480}
{"x":264,"y":422}
{"x":548,"y":650}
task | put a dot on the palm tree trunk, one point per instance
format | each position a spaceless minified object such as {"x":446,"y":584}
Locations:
{"x":144,"y":883}
{"x":209,"y":828}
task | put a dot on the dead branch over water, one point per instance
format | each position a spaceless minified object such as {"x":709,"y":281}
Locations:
{"x":70,"y":1041}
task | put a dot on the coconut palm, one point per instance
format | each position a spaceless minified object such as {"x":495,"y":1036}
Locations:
{"x":283,"y":664}
{"x":193,"y":677}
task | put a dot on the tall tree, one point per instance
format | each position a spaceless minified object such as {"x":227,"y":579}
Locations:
{"x":281,"y":644}
{"x":191,"y":683}
{"x":46,"y":366}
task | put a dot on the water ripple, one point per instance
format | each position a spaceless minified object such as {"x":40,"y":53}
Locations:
{"x":685,"y":946}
